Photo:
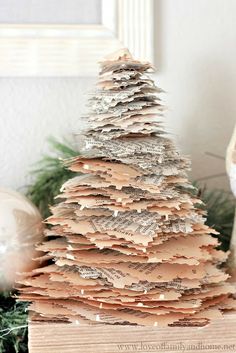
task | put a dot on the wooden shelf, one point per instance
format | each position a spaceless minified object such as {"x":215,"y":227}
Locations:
{"x":219,"y":336}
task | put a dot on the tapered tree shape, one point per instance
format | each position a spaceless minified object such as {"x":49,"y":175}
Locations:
{"x":128,"y":243}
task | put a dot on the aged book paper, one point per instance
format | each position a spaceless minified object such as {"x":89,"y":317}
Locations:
{"x":128,"y":243}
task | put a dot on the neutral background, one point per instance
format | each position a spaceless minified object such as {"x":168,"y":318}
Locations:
{"x":195,"y":57}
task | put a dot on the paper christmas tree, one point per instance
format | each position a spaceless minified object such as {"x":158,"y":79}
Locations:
{"x":128,"y":243}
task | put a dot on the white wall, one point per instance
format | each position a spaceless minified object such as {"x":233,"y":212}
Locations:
{"x":195,"y":54}
{"x":30,"y":111}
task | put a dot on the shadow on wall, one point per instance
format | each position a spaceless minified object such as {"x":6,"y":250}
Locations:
{"x":158,"y":34}
{"x":194,"y":46}
{"x":210,"y":124}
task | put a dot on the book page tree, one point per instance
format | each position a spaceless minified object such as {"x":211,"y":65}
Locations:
{"x":128,"y":242}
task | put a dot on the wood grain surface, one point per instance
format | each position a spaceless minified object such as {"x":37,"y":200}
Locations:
{"x":219,"y":336}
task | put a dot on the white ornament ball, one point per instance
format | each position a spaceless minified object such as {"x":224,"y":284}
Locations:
{"x":232,"y":178}
{"x":21,"y":228}
{"x":231,"y":162}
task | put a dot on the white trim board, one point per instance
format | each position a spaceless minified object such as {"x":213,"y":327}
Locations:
{"x":73,"y":50}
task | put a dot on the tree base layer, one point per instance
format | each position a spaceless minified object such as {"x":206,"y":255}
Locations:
{"x":218,"y":337}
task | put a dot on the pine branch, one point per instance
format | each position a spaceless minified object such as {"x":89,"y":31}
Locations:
{"x":13,"y":325}
{"x":220,"y":207}
{"x":50,"y":174}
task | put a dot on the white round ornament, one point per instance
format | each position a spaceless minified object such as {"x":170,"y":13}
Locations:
{"x":231,"y":170}
{"x":20,"y":228}
{"x":231,"y":162}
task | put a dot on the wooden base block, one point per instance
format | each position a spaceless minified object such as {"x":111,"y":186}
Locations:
{"x":218,"y":337}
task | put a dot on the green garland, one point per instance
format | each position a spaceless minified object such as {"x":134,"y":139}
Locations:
{"x":220,"y":208}
{"x":13,"y":325}
{"x":50,"y":174}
